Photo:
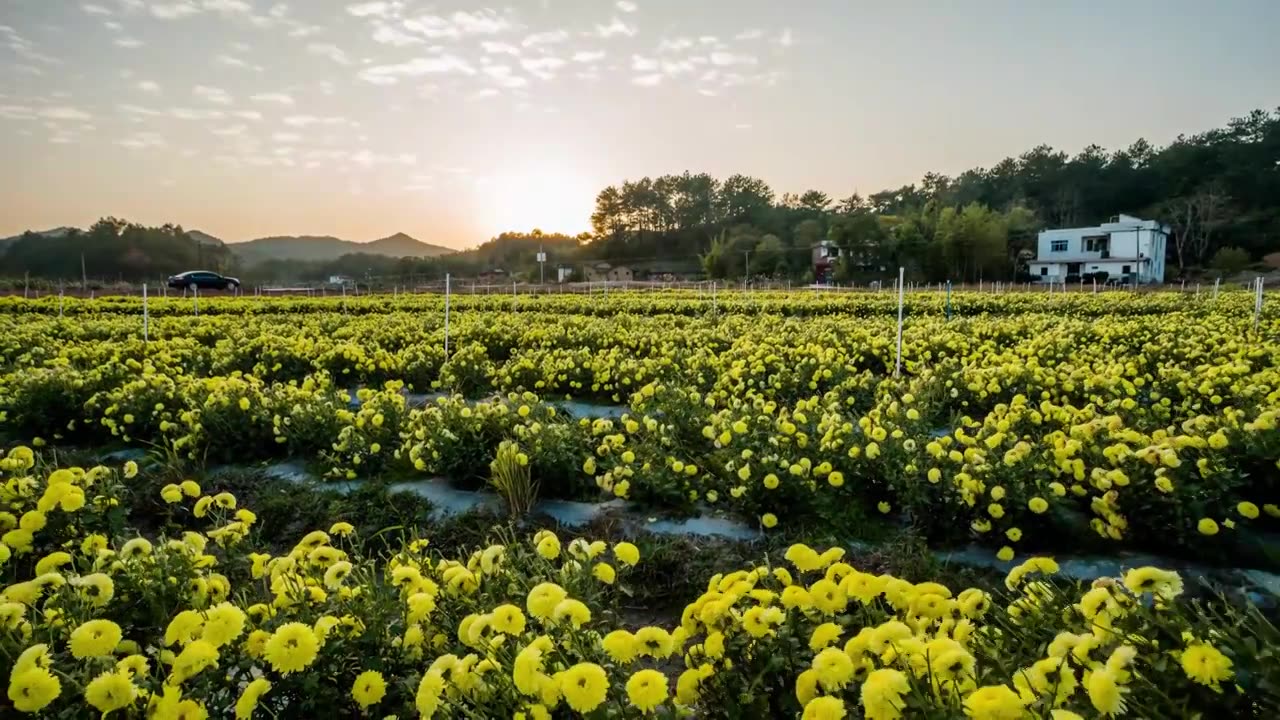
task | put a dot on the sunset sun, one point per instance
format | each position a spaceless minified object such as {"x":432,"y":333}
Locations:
{"x":553,"y":199}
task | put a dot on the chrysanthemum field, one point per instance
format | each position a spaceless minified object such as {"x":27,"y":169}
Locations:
{"x":1036,"y":427}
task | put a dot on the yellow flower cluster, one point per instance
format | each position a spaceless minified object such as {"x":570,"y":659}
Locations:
{"x":1026,"y":419}
{"x":183,"y":627}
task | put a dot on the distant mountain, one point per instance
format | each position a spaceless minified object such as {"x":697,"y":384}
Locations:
{"x":310,"y":247}
{"x":204,"y":238}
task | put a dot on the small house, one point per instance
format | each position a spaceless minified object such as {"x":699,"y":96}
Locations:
{"x":604,"y":272}
{"x":826,"y":255}
{"x":1128,"y":249}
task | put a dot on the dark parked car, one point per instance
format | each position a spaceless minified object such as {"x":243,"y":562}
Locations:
{"x":204,"y":280}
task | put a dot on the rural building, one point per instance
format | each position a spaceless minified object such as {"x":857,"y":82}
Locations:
{"x":825,"y":256}
{"x":604,"y":272}
{"x":1128,"y":249}
{"x":340,"y":280}
{"x":668,"y":270}
{"x":493,"y":275}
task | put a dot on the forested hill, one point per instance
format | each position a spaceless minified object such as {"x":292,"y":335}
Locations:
{"x":1216,"y":189}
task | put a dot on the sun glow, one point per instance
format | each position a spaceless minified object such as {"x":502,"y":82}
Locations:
{"x":552,"y":199}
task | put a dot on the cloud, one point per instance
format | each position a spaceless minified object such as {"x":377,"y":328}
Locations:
{"x":742,"y":126}
{"x":615,"y":27}
{"x":309,"y":120}
{"x":149,"y":86}
{"x":752,"y":34}
{"x":485,"y":22}
{"x":499,"y":48}
{"x":674,"y":44}
{"x":214,"y":95}
{"x":286,"y":137}
{"x":173,"y":11}
{"x":228,"y":7}
{"x":432,"y":26}
{"x":435,"y":65}
{"x":129,"y":109}
{"x":483,"y":94}
{"x":643,"y":64}
{"x":64,"y":113}
{"x":550,"y":37}
{"x":388,"y":35}
{"x":647,"y":80}
{"x":543,"y":67}
{"x":129,"y":43}
{"x":230,"y":130}
{"x":482,"y":22}
{"x":728,"y":59}
{"x":626,"y":7}
{"x":502,"y":75}
{"x":272,"y":97}
{"x":368,"y":159}
{"x":22,"y":46}
{"x":333,"y":52}
{"x":142,"y":141}
{"x":112,"y":25}
{"x":248,"y":114}
{"x":374,"y":9}
{"x":235,"y":62}
{"x":17,"y":112}
{"x":201,"y":114}
{"x":785,"y":39}
{"x":588,"y":56}
{"x":93,"y":9}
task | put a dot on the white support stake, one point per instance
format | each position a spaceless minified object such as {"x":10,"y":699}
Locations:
{"x":897,"y":370}
{"x":195,"y":293}
{"x":145,"y":318}
{"x":446,"y":316}
{"x":1257,"y":302}
{"x":59,"y":300}
{"x":1216,"y":282}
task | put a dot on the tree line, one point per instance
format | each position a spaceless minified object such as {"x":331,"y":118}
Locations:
{"x":112,"y":249}
{"x":1218,"y":190}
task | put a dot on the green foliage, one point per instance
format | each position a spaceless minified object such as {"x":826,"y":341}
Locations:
{"x":1230,"y":260}
{"x":511,"y":478}
{"x":114,"y":248}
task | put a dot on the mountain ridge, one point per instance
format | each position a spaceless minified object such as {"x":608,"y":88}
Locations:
{"x":297,"y":247}
{"x":328,"y":247}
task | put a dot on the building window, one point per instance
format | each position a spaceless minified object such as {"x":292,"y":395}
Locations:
{"x":1097,"y":243}
{"x":1044,"y":271}
{"x":1126,"y":269}
{"x":1057,"y":246}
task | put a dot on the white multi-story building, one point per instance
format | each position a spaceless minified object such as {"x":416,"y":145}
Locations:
{"x":1128,"y":249}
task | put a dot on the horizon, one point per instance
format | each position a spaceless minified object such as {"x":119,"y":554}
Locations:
{"x":453,"y":123}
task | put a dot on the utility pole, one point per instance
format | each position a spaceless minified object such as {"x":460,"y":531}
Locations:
{"x":542,"y":263}
{"x":84,"y":279}
{"x":746,"y":254}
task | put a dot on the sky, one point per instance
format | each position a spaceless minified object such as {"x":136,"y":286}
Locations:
{"x":454,"y":121}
